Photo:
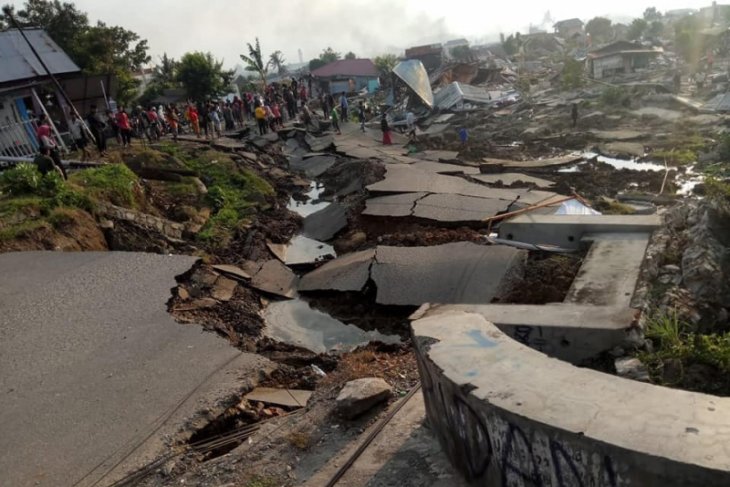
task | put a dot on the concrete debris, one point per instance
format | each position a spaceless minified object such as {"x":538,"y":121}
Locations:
{"x":490,"y":164}
{"x":397,"y":205}
{"x":459,"y":272}
{"x":360,"y":395}
{"x":200,"y":303}
{"x":324,"y":224}
{"x":301,"y":250}
{"x":223,"y":289}
{"x":631,"y":368}
{"x":233,"y":271}
{"x":458,"y":208}
{"x":275,"y":278}
{"x":313,"y":167}
{"x":291,"y":398}
{"x":348,"y":273}
{"x":510,"y":179}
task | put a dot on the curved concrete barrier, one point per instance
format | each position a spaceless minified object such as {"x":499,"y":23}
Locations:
{"x":508,"y":415}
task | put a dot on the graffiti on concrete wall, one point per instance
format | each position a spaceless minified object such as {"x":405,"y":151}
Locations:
{"x":493,"y":451}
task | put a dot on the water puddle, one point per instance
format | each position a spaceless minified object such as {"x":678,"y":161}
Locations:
{"x":630,"y":164}
{"x":312,"y":205}
{"x":689,"y":181}
{"x":296,"y":323}
{"x":302,"y":250}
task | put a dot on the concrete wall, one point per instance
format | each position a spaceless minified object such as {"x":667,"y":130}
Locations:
{"x":570,"y":332}
{"x":168,"y":228}
{"x":507,"y":415}
{"x":568,"y":230}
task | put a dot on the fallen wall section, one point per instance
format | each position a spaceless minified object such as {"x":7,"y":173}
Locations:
{"x":509,"y":415}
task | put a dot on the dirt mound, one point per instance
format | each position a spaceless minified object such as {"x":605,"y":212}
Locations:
{"x":67,"y":230}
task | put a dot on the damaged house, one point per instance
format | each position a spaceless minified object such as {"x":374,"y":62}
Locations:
{"x":619,"y":57}
{"x":430,"y":55}
{"x":569,"y":29}
{"x":27,"y":91}
{"x":348,"y":75}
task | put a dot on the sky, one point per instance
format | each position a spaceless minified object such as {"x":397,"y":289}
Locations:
{"x":365,"y":27}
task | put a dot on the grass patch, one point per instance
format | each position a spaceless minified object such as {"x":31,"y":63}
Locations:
{"x":258,"y":481}
{"x":233,"y":194}
{"x":616,"y":96}
{"x":680,"y":352}
{"x":114,"y":183}
{"x":676,"y":157}
{"x":717,"y":189}
{"x":613,"y":208}
{"x":22,"y":229}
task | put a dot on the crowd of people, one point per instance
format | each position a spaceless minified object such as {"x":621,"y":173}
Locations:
{"x":278,"y":104}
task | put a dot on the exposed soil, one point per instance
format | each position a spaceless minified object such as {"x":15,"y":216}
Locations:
{"x":597,"y":179}
{"x":547,"y":279}
{"x":77,"y":232}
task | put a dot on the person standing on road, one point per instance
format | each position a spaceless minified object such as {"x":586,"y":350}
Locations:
{"x":46,"y":140}
{"x":361,"y":115}
{"x":260,"y":114}
{"x":411,"y":124}
{"x":386,"y":130}
{"x":343,"y":107}
{"x":79,"y":135}
{"x":97,"y":129}
{"x":336,"y":120}
{"x":125,"y":129}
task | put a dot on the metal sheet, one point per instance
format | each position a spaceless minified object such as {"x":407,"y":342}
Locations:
{"x":456,"y":93}
{"x":415,"y":76}
{"x":19,"y":62}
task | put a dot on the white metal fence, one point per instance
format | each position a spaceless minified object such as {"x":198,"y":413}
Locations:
{"x":18,"y":139}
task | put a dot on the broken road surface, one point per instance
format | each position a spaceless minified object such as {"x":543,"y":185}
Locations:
{"x":91,"y":364}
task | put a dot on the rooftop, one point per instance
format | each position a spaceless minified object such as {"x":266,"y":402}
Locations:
{"x":347,"y":67}
{"x":20,"y":64}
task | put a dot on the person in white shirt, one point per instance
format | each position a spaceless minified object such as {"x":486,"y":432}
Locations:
{"x":411,"y":123}
{"x":79,"y":135}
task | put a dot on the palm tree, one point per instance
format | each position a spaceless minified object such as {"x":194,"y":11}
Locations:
{"x":255,"y":61}
{"x":277,"y":61}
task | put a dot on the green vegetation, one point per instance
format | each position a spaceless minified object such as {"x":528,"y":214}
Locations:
{"x":572,"y":75}
{"x":676,"y":157}
{"x":96,"y":48}
{"x":114,"y":183}
{"x":609,"y":207}
{"x":203,"y":76}
{"x":258,"y":481}
{"x":678,"y":350}
{"x":717,"y":189}
{"x":233,"y":194}
{"x":616,"y":96}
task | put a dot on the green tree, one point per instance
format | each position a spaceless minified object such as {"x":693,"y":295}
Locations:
{"x":572,"y":76}
{"x":637,"y":29}
{"x":316,"y":63}
{"x":385,"y":63}
{"x":276,"y":59}
{"x":651,"y":14}
{"x":350,"y":55}
{"x":329,"y":56}
{"x":655,"y":30}
{"x":512,"y":44}
{"x":687,"y":39}
{"x":599,"y":29}
{"x":165,"y":73}
{"x":96,"y":49}
{"x":255,"y":61}
{"x":203,"y":76}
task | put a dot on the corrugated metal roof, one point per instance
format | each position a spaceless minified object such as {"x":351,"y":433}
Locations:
{"x":720,"y":103}
{"x":457,"y":92}
{"x":347,"y":67}
{"x":415,"y":76}
{"x":20,"y":64}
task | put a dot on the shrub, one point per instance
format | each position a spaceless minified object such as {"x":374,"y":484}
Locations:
{"x":22,"y":179}
{"x":616,"y":96}
{"x":114,"y":183}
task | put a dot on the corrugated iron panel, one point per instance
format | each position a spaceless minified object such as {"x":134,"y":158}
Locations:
{"x":415,"y":76}
{"x":19,"y":63}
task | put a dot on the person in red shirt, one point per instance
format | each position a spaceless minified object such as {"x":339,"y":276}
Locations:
{"x":194,"y":119}
{"x":155,"y":132}
{"x":125,"y":129}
